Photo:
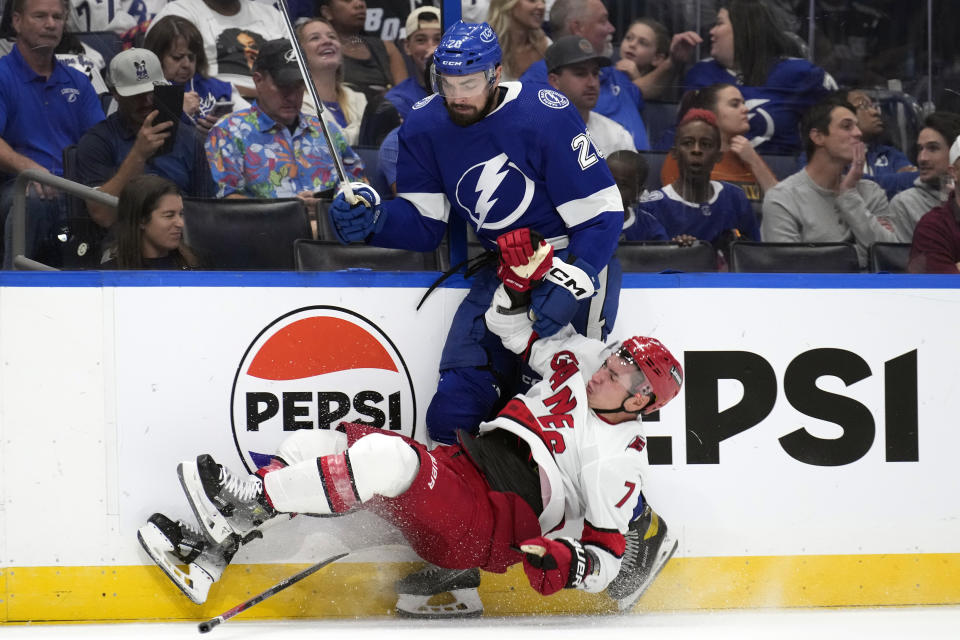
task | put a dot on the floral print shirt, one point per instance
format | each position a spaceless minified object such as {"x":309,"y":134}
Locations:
{"x":251,"y":155}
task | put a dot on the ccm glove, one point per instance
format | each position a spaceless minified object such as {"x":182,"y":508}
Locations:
{"x":552,"y":565}
{"x":555,"y":302}
{"x":355,"y":222}
{"x":525,"y":258}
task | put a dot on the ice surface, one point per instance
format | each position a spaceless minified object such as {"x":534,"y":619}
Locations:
{"x":805,"y":624}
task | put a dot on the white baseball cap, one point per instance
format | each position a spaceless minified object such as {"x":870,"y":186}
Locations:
{"x":419,"y":16}
{"x":955,"y":151}
{"x":136,"y":71}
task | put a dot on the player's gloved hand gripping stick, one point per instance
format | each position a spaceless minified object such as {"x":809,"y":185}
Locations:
{"x":355,"y":221}
{"x":552,"y":565}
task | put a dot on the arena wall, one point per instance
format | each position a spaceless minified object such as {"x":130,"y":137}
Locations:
{"x":809,"y":461}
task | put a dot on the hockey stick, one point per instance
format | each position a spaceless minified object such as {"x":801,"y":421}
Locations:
{"x":308,"y":81}
{"x":205,"y":627}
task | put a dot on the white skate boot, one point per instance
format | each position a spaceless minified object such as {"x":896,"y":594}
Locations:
{"x":415,"y":591}
{"x":172,"y":544}
{"x":649,"y":547}
{"x":224,"y":503}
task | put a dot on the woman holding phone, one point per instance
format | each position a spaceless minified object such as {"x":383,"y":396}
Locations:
{"x":179,"y":45}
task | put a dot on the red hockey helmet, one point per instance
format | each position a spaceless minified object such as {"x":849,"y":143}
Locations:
{"x":664,"y":375}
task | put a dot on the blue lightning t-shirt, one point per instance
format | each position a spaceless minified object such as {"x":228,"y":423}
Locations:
{"x":529,"y":163}
{"x":792,"y":86}
{"x":727,"y":209}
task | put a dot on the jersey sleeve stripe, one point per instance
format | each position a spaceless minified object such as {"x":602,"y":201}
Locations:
{"x":578,"y":211}
{"x":430,"y":205}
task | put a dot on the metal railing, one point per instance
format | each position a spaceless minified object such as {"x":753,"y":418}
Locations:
{"x":19,"y":208}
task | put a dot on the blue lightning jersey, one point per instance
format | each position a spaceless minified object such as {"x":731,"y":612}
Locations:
{"x":727,"y":209}
{"x":529,"y":163}
{"x":792,"y":86}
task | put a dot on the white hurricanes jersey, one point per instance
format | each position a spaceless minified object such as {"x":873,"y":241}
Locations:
{"x":589,"y":468}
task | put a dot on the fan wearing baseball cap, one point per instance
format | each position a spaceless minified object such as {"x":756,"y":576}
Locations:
{"x":573,"y":69}
{"x":423,"y":29}
{"x":128,"y":143}
{"x":273,"y":149}
{"x":936,"y":240}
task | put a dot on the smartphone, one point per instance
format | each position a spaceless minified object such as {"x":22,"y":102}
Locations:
{"x":168,"y":100}
{"x":221,"y":109}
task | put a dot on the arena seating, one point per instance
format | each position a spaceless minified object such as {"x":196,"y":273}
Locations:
{"x":889,"y":257}
{"x":245,"y":234}
{"x":788,"y":257}
{"x":666,"y":256}
{"x":330,"y":255}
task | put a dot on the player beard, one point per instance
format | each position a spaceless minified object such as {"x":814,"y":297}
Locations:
{"x":465,"y":119}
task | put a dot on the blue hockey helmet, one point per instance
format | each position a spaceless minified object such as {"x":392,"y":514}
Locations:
{"x":466,"y":48}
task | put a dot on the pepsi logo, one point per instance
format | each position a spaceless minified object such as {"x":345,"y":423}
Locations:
{"x":314,"y":368}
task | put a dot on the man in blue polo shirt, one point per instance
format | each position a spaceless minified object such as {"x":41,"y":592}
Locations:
{"x":44,"y":107}
{"x":620,"y":99}
{"x":423,"y":36}
{"x":128,"y":143}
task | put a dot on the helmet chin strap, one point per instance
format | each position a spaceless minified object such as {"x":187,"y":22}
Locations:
{"x":621,"y":409}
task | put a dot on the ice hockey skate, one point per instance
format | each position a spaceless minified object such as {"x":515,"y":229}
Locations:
{"x":224,"y":503}
{"x":649,"y":547}
{"x":415,"y":592}
{"x":173,"y":544}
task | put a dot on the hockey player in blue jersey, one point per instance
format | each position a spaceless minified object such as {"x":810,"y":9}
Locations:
{"x":694,"y":205}
{"x":750,"y":50}
{"x":502,"y":157}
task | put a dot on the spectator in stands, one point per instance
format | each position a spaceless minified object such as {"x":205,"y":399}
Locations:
{"x":740,"y":163}
{"x":629,"y":171}
{"x":233,"y":31}
{"x":936,"y":240}
{"x":128,"y":143}
{"x":694,"y":205}
{"x":932,"y":186}
{"x":619,"y":100}
{"x":150,"y":227}
{"x":575,"y":72}
{"x":828,"y":201}
{"x":886,"y":165}
{"x":364,"y":120}
{"x":341,"y":104}
{"x":45,"y":106}
{"x":518,"y":25}
{"x":370,"y":64}
{"x":423,"y":30}
{"x":651,"y":58}
{"x":178,"y":44}
{"x":749,"y":49}
{"x":273,"y":149}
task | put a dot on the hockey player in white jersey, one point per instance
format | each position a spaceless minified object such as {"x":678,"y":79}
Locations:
{"x":569,"y":449}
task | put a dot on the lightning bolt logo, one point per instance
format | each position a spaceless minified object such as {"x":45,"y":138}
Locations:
{"x":490,"y":180}
{"x":755,"y":110}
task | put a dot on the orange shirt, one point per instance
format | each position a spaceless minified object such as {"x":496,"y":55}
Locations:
{"x":730,"y":169}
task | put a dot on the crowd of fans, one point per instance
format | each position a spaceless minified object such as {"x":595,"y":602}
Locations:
{"x":245,"y":127}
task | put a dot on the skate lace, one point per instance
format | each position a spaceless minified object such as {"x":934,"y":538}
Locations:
{"x":632,"y":551}
{"x":243,"y":489}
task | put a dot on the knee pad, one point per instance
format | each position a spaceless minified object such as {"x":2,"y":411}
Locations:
{"x":382,"y":465}
{"x":465,"y":397}
{"x":310,"y":444}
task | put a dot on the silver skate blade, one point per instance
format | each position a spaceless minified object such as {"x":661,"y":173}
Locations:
{"x":159,"y":549}
{"x":666,"y":551}
{"x":213,"y":524}
{"x":466,"y":604}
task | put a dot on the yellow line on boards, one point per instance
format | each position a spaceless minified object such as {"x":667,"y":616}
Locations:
{"x":353,"y":589}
